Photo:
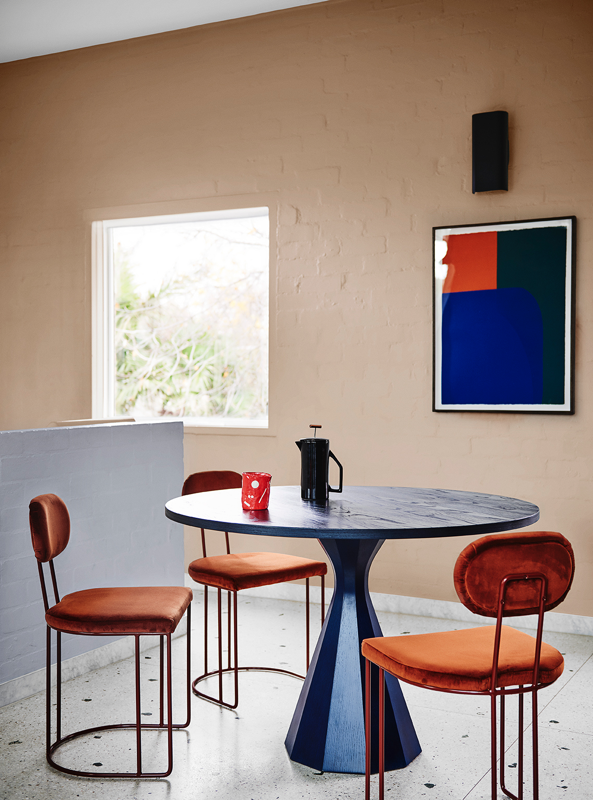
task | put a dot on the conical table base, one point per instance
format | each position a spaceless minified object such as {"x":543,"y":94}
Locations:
{"x":327,"y":729}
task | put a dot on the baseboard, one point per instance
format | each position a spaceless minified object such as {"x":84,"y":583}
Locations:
{"x":34,"y":682}
{"x":447,"y":609}
{"x":421,"y":607}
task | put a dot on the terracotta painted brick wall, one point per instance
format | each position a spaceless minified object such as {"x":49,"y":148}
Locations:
{"x":351,"y":119}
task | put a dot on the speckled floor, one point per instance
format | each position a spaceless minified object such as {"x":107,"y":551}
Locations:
{"x":241,"y":755}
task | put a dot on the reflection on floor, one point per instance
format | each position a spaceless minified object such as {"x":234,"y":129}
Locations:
{"x":241,"y":755}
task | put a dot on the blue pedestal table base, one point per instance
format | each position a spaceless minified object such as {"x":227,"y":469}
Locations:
{"x":327,"y":729}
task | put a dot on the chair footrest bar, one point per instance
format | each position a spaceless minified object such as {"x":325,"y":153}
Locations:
{"x":203,"y":677}
{"x":217,"y":672}
{"x":80,"y":774}
{"x":123,"y":726}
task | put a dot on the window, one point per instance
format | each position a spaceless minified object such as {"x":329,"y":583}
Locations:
{"x":180,"y":318}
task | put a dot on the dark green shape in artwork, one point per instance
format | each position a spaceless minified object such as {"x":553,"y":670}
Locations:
{"x":535,"y":260}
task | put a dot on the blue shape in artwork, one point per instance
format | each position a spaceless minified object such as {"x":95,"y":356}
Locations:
{"x":492,"y":348}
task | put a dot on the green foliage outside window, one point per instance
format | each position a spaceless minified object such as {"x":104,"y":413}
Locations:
{"x":173,"y":354}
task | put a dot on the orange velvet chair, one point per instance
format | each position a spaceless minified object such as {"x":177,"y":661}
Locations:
{"x":233,"y":572}
{"x":135,"y":611}
{"x":501,"y":575}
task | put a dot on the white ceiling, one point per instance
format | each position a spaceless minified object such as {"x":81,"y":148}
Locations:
{"x":36,"y":27}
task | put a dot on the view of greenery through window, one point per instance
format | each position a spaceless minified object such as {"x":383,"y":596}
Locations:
{"x":191,"y":319}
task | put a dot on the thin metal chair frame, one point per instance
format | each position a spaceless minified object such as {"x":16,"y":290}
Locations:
{"x":493,"y":692}
{"x":233,"y":640}
{"x":52,"y":747}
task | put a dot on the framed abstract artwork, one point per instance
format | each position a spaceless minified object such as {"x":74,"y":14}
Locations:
{"x":503,"y":315}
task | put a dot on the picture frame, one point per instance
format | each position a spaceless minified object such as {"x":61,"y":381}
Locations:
{"x":504,"y":316}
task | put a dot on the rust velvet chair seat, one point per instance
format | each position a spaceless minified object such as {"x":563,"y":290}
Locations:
{"x":126,"y":610}
{"x":462,"y":660}
{"x":122,"y":611}
{"x":232,"y":572}
{"x":236,"y":571}
{"x":499,"y":576}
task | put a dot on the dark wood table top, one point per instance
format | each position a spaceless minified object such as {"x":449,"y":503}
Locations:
{"x":373,"y":512}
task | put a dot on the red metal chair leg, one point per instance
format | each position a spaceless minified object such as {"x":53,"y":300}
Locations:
{"x":232,"y":654}
{"x":161,"y":681}
{"x":59,"y":684}
{"x":219,"y":617}
{"x":381,"y":734}
{"x":520,"y":747}
{"x":169,"y":708}
{"x":535,"y":745}
{"x":367,"y":729}
{"x":502,"y":742}
{"x":48,"y":693}
{"x":233,"y":661}
{"x":521,"y":744}
{"x":205,"y":627}
{"x":493,"y":764}
{"x":307,"y":632}
{"x":138,"y":707}
{"x":187,"y":671}
{"x":228,"y":628}
{"x":236,"y":648}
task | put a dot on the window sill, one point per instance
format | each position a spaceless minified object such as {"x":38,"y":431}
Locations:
{"x":74,"y":423}
{"x":206,"y":430}
{"x":190,"y":425}
{"x":216,"y":427}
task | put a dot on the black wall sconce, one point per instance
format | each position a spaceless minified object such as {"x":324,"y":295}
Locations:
{"x":490,"y":151}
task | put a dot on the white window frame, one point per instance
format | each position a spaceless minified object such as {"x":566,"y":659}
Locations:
{"x":103,"y":316}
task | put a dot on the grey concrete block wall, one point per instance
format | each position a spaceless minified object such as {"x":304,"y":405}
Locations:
{"x":115,"y":480}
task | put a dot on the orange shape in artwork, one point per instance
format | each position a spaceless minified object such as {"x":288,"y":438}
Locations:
{"x":471,"y":262}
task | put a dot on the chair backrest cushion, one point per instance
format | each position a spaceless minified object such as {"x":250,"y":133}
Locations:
{"x":50,"y":526}
{"x":483,"y":564}
{"x":211,"y":481}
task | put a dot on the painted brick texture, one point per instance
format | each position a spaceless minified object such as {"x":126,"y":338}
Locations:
{"x":351,"y":119}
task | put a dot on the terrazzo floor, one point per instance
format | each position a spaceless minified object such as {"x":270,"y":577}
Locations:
{"x":241,"y":755}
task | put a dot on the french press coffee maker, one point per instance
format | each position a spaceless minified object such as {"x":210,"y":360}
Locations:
{"x":315,"y":456}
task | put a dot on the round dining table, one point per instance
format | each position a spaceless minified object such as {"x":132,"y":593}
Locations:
{"x":327,"y":728}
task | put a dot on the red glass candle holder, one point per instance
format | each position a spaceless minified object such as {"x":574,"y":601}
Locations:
{"x":255,"y":491}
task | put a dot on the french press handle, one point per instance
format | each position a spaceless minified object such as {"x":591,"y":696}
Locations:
{"x":329,"y":488}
